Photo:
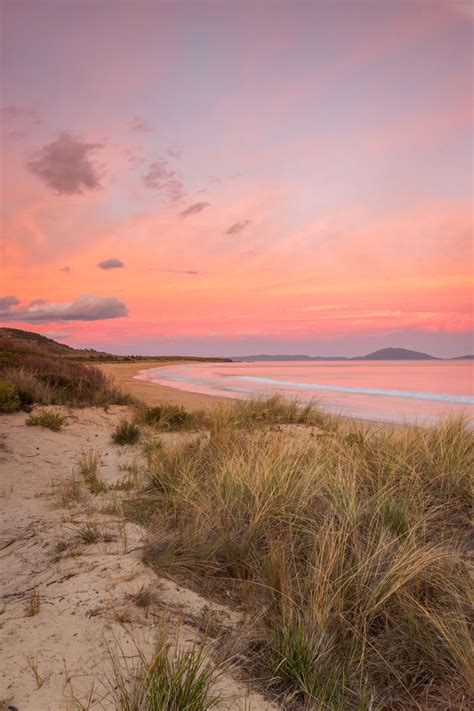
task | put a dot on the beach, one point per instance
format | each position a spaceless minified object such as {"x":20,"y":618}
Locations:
{"x":124,"y":375}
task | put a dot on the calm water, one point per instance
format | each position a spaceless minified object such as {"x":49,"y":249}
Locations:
{"x":393,"y":391}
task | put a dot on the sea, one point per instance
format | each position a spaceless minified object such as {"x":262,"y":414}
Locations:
{"x":384,"y":391}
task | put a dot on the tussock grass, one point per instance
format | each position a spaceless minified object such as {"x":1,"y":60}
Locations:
{"x":126,"y":433}
{"x":265,"y":411}
{"x":49,"y":420}
{"x":170,"y":679}
{"x":168,"y":418}
{"x":349,"y":550}
{"x":88,"y":467}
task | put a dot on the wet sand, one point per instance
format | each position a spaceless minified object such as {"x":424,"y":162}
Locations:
{"x":152,"y":393}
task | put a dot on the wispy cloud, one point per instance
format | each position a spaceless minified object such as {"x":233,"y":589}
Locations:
{"x":111,"y":264}
{"x":237,"y":227}
{"x":163,"y":178}
{"x":85,"y":308}
{"x":139,"y":125}
{"x":179,"y":271}
{"x":194,"y":209}
{"x":66,"y":166}
{"x":65,"y":269}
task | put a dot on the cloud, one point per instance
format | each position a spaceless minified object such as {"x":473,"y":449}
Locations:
{"x":194,"y":209}
{"x":161,"y":177}
{"x":65,"y":165}
{"x":140,"y":125}
{"x":111,"y":264}
{"x":65,"y":269}
{"x":179,"y":271}
{"x":85,"y":308}
{"x":174,"y":153}
{"x":237,"y":227}
{"x":23,"y":115}
{"x":6,"y":302}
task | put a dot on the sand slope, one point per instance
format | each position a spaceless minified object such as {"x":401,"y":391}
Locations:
{"x":59,"y":658}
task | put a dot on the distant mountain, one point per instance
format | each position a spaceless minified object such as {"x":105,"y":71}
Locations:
{"x":396,"y":354}
{"x":266,"y":357}
{"x":470,"y":356}
{"x":382,"y":354}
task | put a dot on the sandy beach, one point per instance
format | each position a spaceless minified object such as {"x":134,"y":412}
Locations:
{"x":153,"y":393}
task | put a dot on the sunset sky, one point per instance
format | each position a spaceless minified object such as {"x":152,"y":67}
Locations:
{"x":238,"y":177}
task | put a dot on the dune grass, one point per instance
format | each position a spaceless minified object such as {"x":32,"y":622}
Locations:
{"x":49,"y":420}
{"x":170,"y":679}
{"x":126,"y":433}
{"x":349,"y":551}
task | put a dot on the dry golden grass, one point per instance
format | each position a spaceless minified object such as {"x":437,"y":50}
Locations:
{"x":349,"y":550}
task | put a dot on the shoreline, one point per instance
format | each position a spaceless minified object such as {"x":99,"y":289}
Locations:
{"x":151,"y":393}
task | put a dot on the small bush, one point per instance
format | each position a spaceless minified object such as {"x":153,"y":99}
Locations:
{"x":168,"y":417}
{"x":9,"y":397}
{"x":50,"y":420}
{"x":126,"y":433}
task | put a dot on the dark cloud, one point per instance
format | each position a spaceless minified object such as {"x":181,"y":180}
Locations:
{"x":6,"y":302}
{"x":237,"y":227}
{"x":111,"y":264}
{"x":65,"y":269}
{"x":163,"y":178}
{"x":140,"y":125}
{"x":86,"y":308}
{"x":194,"y":209}
{"x":66,"y":166}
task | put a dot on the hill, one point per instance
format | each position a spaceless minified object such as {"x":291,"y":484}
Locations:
{"x":19,"y":341}
{"x":396,"y":354}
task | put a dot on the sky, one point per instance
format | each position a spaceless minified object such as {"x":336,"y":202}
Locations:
{"x":238,"y":177}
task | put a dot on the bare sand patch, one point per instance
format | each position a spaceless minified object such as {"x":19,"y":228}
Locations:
{"x":64,"y":604}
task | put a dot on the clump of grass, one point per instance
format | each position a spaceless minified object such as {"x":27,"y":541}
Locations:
{"x":88,"y":467}
{"x":274,"y":410}
{"x":350,"y":552}
{"x":9,"y":397}
{"x":144,"y":598}
{"x":168,"y":418}
{"x":87,"y":533}
{"x":68,"y":491}
{"x":170,"y":679}
{"x":126,"y":433}
{"x":33,"y":604}
{"x":49,"y":420}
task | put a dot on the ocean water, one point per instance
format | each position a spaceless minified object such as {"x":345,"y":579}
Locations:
{"x":388,"y":391}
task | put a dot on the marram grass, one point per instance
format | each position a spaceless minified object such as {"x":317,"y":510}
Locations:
{"x":349,"y":549}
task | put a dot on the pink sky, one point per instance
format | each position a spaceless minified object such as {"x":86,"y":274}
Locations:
{"x":281,"y":177}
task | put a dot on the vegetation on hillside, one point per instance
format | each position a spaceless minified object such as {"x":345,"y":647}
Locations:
{"x":39,"y":375}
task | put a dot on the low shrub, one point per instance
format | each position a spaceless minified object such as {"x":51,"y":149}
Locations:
{"x":53,"y":380}
{"x":126,"y":433}
{"x":9,"y":397}
{"x":50,"y":420}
